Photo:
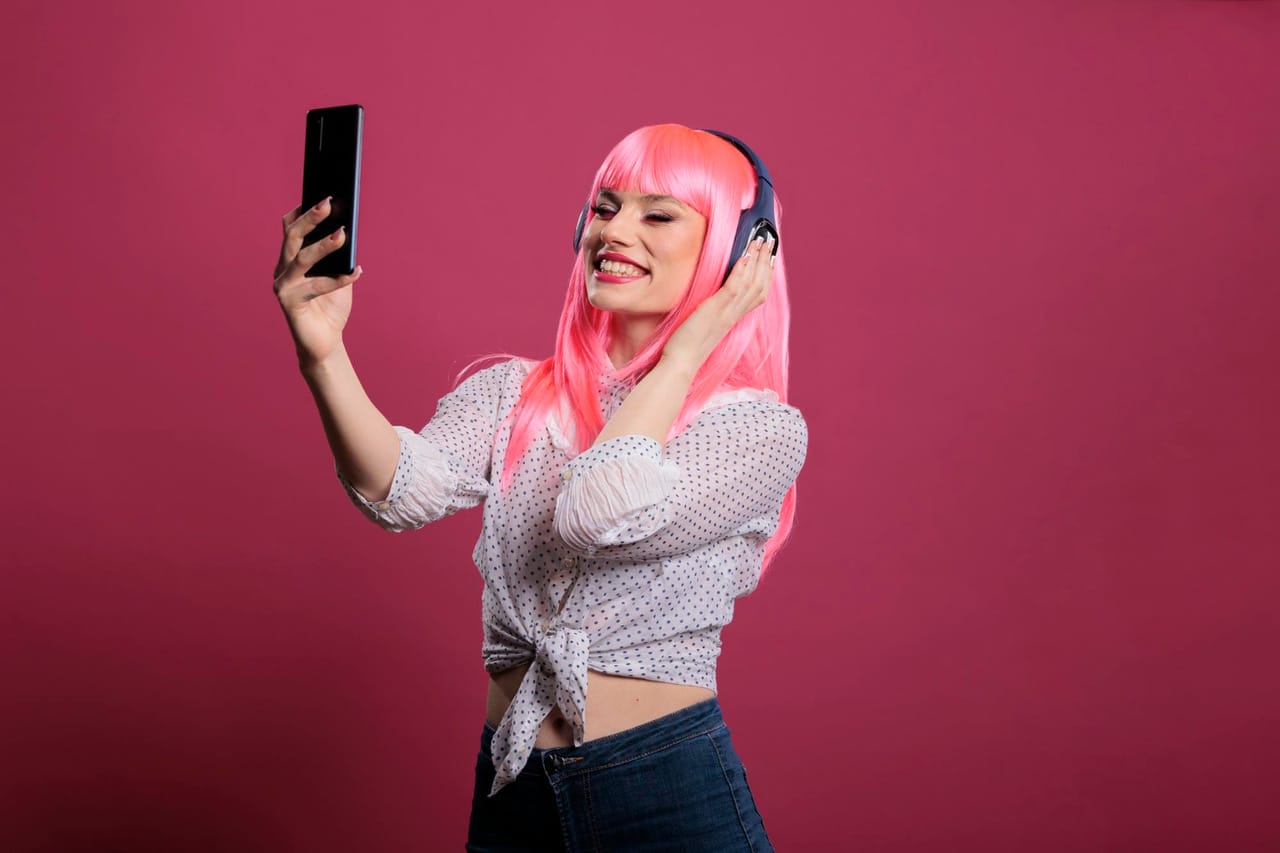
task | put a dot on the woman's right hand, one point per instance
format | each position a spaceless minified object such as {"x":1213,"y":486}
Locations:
{"x":315,"y":308}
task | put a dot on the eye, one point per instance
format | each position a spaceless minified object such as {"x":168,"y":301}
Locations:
{"x":660,"y":217}
{"x":603,"y":210}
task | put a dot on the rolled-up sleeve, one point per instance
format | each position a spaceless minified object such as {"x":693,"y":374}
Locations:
{"x":726,"y":474}
{"x":615,"y":493}
{"x":445,"y":466}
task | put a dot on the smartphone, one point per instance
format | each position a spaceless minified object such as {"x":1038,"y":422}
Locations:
{"x":331,"y":167}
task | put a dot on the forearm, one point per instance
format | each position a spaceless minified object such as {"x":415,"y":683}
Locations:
{"x":651,"y":407}
{"x":365,"y":447}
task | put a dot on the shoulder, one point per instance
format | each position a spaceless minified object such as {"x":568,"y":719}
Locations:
{"x":752,"y":413}
{"x":500,"y":373}
{"x":489,"y":386}
{"x":752,"y":403}
{"x":755,"y":439}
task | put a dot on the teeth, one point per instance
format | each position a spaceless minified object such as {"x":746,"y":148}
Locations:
{"x":620,"y":268}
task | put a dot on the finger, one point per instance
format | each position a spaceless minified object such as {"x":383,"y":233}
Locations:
{"x":742,"y":269}
{"x":767,"y":256}
{"x":752,"y":264}
{"x":750,"y":281}
{"x":282,"y":263}
{"x":296,"y":291}
{"x":290,"y":270}
{"x":316,"y":215}
{"x":288,"y":218}
{"x":764,"y":271}
{"x":309,"y":256}
{"x":305,"y":258}
{"x":298,"y":227}
{"x":293,"y":235}
{"x":320,"y":285}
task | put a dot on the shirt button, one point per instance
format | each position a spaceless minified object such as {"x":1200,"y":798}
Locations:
{"x":566,"y":474}
{"x":381,"y":505}
{"x":570,"y":561}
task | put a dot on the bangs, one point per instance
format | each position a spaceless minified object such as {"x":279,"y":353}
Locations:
{"x":674,"y":160}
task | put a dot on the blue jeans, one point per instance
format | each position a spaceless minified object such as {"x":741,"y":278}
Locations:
{"x":672,"y":784}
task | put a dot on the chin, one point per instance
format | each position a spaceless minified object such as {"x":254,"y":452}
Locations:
{"x":603,"y":299}
{"x":606,"y":301}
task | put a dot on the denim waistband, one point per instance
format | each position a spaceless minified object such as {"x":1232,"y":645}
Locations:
{"x":697,"y":719}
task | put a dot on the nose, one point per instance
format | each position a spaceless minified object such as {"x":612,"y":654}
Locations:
{"x":616,"y":232}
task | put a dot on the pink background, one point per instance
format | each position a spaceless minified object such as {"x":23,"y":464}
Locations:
{"x":1029,"y":603}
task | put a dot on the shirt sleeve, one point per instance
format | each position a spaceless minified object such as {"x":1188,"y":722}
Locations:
{"x":446,"y":465}
{"x":725,"y":475}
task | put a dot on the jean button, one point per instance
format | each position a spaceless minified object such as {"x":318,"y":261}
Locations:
{"x":556,"y":761}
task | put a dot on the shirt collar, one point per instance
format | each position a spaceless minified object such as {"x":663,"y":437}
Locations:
{"x":609,"y":381}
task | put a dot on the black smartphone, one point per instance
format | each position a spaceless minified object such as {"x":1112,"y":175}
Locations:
{"x":332,"y":168}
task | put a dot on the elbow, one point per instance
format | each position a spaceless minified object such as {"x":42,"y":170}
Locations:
{"x":393,"y":516}
{"x":586,"y":532}
{"x":577,"y":531}
{"x":617,"y":503}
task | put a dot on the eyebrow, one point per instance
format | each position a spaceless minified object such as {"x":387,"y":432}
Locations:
{"x":647,"y":199}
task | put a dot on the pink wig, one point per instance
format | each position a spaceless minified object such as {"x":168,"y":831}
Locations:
{"x":708,"y":174}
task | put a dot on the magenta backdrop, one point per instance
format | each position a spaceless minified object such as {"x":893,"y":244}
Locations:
{"x":1029,"y":602}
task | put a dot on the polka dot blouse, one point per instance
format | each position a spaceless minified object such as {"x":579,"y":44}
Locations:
{"x":625,"y":559}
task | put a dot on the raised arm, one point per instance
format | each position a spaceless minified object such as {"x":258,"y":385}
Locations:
{"x":725,"y":475}
{"x":317,"y":309}
{"x":640,"y":497}
{"x":653,"y":404}
{"x":366,"y":449}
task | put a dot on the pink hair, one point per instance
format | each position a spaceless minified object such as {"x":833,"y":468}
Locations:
{"x":710,"y":175}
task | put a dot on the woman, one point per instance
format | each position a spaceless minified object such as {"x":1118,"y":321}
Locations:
{"x":634,"y":484}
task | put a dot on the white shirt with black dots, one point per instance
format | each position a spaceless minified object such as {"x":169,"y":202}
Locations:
{"x":625,"y":559}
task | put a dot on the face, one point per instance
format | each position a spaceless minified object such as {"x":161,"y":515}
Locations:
{"x":640,"y":252}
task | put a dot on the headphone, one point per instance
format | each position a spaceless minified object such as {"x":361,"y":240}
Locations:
{"x":754,"y":221}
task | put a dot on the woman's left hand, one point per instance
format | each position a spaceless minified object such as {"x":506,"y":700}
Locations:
{"x":745,"y":289}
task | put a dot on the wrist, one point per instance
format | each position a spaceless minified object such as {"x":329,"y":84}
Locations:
{"x":319,"y":369}
{"x":679,"y":366}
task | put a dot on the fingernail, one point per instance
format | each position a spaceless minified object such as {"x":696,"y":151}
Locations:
{"x":337,"y":235}
{"x":359,"y":270}
{"x":321,"y":202}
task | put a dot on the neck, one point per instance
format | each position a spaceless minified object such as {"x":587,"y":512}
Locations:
{"x":630,"y":335}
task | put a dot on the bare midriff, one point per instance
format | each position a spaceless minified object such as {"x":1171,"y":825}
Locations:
{"x":614,"y":703}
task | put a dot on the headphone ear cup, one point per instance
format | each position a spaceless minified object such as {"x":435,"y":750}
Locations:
{"x":757,"y":218}
{"x":765,"y":228}
{"x":750,"y":228}
{"x":582,"y":224}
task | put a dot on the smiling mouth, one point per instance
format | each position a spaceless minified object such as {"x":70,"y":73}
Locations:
{"x":620,"y":269}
